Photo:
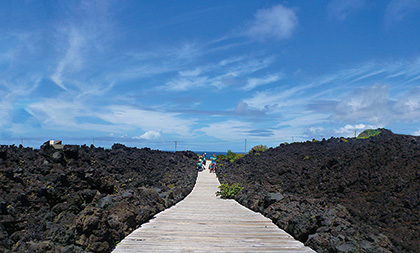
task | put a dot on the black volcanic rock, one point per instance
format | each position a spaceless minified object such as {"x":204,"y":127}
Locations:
{"x":85,"y":199}
{"x":338,"y":195}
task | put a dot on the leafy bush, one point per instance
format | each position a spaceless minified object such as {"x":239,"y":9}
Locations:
{"x":258,"y":149}
{"x":227,"y":191}
{"x":230,"y":156}
{"x":368,"y":133}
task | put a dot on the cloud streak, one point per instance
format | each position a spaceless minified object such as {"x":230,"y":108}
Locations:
{"x":256,"y":82}
{"x":96,"y":68}
{"x":342,"y":9}
{"x":397,"y":10}
{"x":134,"y":118}
{"x":278,"y":22}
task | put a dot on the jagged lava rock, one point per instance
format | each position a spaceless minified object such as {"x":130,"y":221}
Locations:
{"x":85,"y":199}
{"x":338,"y":195}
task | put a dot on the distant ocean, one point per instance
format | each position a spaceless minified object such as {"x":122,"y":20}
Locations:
{"x":210,"y":153}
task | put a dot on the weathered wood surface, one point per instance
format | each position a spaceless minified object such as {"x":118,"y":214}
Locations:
{"x":203,"y":222}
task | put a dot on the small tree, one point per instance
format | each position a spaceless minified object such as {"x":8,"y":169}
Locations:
{"x":258,"y":149}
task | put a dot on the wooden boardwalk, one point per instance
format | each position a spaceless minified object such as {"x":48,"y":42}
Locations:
{"x":203,"y":222}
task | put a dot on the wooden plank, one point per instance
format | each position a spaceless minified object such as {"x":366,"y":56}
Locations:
{"x":203,"y":222}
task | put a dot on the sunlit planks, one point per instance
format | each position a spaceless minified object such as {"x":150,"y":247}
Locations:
{"x":204,"y":223}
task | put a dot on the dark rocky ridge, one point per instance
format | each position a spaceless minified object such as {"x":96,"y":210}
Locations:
{"x":338,"y":195}
{"x":82,"y":199}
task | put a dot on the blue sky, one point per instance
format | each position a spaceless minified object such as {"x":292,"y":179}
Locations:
{"x":207,"y":74}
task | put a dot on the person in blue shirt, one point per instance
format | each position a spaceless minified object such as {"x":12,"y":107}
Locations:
{"x":213,"y":164}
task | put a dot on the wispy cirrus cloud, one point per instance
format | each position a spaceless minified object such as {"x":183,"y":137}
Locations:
{"x":398,"y":10}
{"x":133,"y":118}
{"x":72,"y":60}
{"x":349,"y":96}
{"x":256,"y":82}
{"x":369,"y":104}
{"x":407,"y":107}
{"x":221,"y":74}
{"x":227,"y":130}
{"x":342,"y":9}
{"x":272,"y":100}
{"x":277,"y":22}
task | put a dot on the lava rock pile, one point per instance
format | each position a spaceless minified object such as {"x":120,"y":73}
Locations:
{"x":81,"y":198}
{"x":337,"y":195}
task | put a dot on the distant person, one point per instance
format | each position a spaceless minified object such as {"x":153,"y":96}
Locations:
{"x":213,"y":164}
{"x":200,"y":165}
{"x":204,"y":159}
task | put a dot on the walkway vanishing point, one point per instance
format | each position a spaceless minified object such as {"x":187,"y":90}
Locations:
{"x":203,"y":222}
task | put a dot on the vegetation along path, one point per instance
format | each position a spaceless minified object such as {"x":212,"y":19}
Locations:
{"x":206,"y":223}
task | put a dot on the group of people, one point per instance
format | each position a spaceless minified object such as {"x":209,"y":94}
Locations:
{"x":202,"y":160}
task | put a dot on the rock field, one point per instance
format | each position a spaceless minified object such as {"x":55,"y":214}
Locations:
{"x":337,"y":195}
{"x":85,"y":199}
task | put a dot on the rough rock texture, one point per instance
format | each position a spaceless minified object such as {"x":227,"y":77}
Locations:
{"x":82,"y":199}
{"x":338,"y":195}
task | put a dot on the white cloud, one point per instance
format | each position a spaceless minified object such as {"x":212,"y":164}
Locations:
{"x":397,"y":10}
{"x":417,"y":133}
{"x":407,"y":107}
{"x":243,"y":109}
{"x":273,"y":99}
{"x":185,"y":83}
{"x":227,"y":130}
{"x":348,"y":130}
{"x":126,"y":116}
{"x":72,"y":59}
{"x":255,"y":82}
{"x":302,"y":119}
{"x":149,"y":135}
{"x":316,"y":130}
{"x":220,"y":75}
{"x":369,"y":104}
{"x":6,"y":106}
{"x":278,"y":22}
{"x":57,"y":113}
{"x":342,"y":9}
{"x":190,"y":73}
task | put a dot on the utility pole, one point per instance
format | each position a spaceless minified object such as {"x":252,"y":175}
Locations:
{"x":354,"y":133}
{"x":176,"y":143}
{"x":292,"y":139}
{"x":245,"y":147}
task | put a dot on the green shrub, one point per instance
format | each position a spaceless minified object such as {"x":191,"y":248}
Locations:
{"x":230,"y":156}
{"x":227,"y":191}
{"x":258,"y":149}
{"x":368,"y":133}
